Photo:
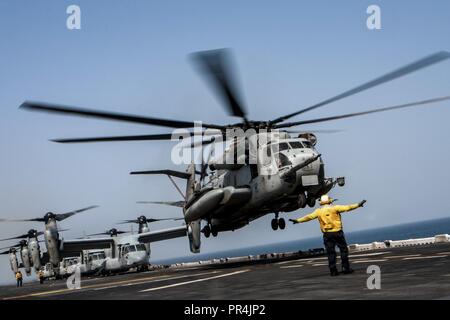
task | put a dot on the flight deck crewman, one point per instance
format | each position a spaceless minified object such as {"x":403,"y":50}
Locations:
{"x":331,"y":225}
{"x":19,"y":278}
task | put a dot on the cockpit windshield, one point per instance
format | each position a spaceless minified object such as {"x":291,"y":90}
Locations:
{"x":296,"y":145}
{"x":140,"y":247}
{"x":307,"y":144}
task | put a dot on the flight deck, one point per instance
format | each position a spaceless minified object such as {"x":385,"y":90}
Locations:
{"x":407,"y":272}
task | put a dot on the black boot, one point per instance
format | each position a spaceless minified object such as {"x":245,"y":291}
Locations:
{"x":347,"y":271}
{"x":334,"y":272}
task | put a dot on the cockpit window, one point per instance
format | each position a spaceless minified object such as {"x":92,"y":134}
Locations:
{"x":140,"y":247}
{"x":296,"y":145}
{"x":283,"y":146}
{"x":131,"y":249}
{"x":280,"y":147}
{"x":308,"y":144}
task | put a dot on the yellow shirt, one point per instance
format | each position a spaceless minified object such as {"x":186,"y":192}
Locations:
{"x":18,"y":276}
{"x":329,"y":217}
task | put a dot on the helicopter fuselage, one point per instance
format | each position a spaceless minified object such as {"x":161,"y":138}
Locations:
{"x":281,"y":183}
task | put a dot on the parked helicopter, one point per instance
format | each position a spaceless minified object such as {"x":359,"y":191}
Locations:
{"x":288,"y":173}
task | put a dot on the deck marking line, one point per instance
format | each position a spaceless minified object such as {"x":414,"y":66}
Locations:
{"x":194,"y":281}
{"x":293,"y":266}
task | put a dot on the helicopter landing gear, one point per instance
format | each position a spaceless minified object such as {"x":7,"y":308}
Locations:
{"x":207,"y":231}
{"x":311,"y":201}
{"x":278,"y":223}
{"x":281,"y":223}
{"x":302,"y":200}
{"x":274,"y":224}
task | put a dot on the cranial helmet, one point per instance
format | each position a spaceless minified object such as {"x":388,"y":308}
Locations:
{"x":325,"y":199}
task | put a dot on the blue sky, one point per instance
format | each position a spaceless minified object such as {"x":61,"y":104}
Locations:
{"x":132,"y":57}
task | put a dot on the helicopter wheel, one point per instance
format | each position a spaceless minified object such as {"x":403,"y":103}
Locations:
{"x":207,"y":231}
{"x":214,"y":233}
{"x":282,"y":223}
{"x":274,"y":224}
{"x":311,"y":202}
{"x":302,"y":201}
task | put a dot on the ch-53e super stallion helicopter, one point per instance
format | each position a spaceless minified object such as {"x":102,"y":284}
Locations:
{"x":239,"y":192}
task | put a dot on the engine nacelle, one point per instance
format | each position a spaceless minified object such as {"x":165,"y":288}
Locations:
{"x":14,"y":263}
{"x":25,"y":257}
{"x":35,"y":253}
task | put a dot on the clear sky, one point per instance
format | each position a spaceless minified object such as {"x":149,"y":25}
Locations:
{"x":131,"y":56}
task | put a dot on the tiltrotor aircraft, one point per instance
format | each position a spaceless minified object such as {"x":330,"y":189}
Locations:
{"x":288,"y":172}
{"x":123,"y":252}
{"x":30,"y":250}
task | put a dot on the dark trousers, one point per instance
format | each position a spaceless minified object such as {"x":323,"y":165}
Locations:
{"x":19,"y":282}
{"x":331,"y":240}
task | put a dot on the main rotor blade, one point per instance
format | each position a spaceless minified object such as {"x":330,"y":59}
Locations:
{"x":200,"y":143}
{"x":97,"y":234}
{"x":11,"y":246}
{"x":150,"y":220}
{"x":173,"y":173}
{"x":128,"y":221}
{"x":216,"y":67}
{"x":23,"y":220}
{"x":22,"y":236}
{"x":314,"y":131}
{"x":179,"y":204}
{"x":63,"y":216}
{"x":349,"y":115}
{"x":420,"y":64}
{"x":52,"y":108}
{"x":146,"y":137}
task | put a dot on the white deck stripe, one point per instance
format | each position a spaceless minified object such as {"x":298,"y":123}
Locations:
{"x":293,"y":266}
{"x":425,"y":257}
{"x":194,"y":281}
{"x":155,"y":280}
{"x":366,"y":261}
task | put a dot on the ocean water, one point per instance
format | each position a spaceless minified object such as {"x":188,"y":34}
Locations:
{"x":420,"y":229}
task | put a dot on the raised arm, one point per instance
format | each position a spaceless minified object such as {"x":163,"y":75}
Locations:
{"x":306,"y":218}
{"x":349,"y":207}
